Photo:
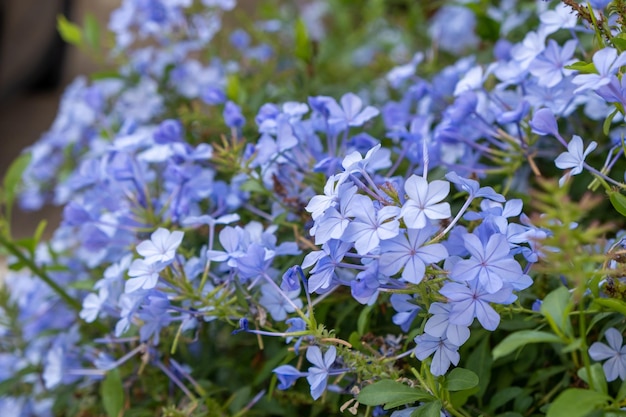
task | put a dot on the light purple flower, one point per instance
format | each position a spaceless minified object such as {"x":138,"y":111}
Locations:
{"x":161,"y":247}
{"x":469,"y":301}
{"x":607,"y":63}
{"x":615,"y":366}
{"x":424,"y":201}
{"x":318,"y":374}
{"x":446,"y":352}
{"x":143,"y":275}
{"x":351,"y":111}
{"x":490,"y":263}
{"x":370,"y":226}
{"x":406,"y":251}
{"x":574,"y":158}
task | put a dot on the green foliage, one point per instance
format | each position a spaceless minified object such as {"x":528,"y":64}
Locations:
{"x":576,"y":402}
{"x":392,"y":394}
{"x":522,"y":338}
{"x":112,"y":394}
{"x":70,"y":32}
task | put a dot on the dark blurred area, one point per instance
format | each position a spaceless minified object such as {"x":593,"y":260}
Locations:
{"x":35,"y":67}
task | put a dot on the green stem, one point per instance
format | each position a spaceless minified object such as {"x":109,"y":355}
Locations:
{"x":40,"y":273}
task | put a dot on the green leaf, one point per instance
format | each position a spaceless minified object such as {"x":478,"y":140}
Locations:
{"x":607,"y":122}
{"x":12,"y":180}
{"x":233,"y":87}
{"x":480,"y":362}
{"x":503,"y":396}
{"x":621,"y":395}
{"x":576,"y":402}
{"x":303,"y":48}
{"x":612,"y":304}
{"x":555,"y":308}
{"x":91,"y":30}
{"x":431,"y":409}
{"x":392,"y":394}
{"x":619,"y":42}
{"x":70,"y":32}
{"x":618,"y":200}
{"x":460,"y":379}
{"x":583,"y":67}
{"x":112,"y":393}
{"x":522,"y":338}
{"x":599,"y":379}
{"x":363,"y":321}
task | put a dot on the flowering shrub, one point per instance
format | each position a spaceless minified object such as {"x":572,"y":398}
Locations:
{"x":391,"y":209}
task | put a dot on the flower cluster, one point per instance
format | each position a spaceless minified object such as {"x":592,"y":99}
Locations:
{"x":225,"y":200}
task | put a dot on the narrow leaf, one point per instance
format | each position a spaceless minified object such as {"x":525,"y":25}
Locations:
{"x":576,"y":402}
{"x":555,"y":308}
{"x":70,"y":32}
{"x":112,"y":393}
{"x":12,"y":180}
{"x":92,"y":31}
{"x":613,"y":304}
{"x":431,"y":409}
{"x":303,"y":43}
{"x":618,"y":200}
{"x":597,"y":374}
{"x":460,"y":379}
{"x":388,"y":391}
{"x":522,"y":338}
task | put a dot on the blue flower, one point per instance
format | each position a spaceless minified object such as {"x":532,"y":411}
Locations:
{"x":574,"y":158}
{"x":318,"y":374}
{"x":406,"y":310}
{"x":544,"y":123}
{"x":161,"y":247}
{"x":607,"y":63}
{"x":406,"y":251}
{"x":287,"y":376}
{"x":370,"y":226}
{"x":424,"y":201}
{"x":615,"y":352}
{"x":472,"y":300}
{"x":351,"y":111}
{"x":490,"y":263}
{"x":446,"y":352}
{"x":439,"y":324}
{"x":549,"y":67}
{"x":143,"y":275}
{"x":276,"y":304}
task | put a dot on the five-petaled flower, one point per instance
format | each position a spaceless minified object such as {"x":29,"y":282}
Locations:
{"x":574,"y":158}
{"x":615,"y":352}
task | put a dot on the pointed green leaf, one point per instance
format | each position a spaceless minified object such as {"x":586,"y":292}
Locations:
{"x":12,"y":180}
{"x":555,"y":308}
{"x":70,"y":32}
{"x":576,"y":402}
{"x":480,"y":362}
{"x":607,"y":122}
{"x":521,"y":338}
{"x":392,"y":394}
{"x":91,"y":30}
{"x":613,"y":304}
{"x":362,"y":322}
{"x":303,"y":48}
{"x":583,"y":67}
{"x":597,"y":374}
{"x":618,"y":200}
{"x":431,"y":409}
{"x":460,"y":379}
{"x":112,"y":393}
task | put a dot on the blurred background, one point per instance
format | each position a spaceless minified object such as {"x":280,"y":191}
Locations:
{"x":35,"y":67}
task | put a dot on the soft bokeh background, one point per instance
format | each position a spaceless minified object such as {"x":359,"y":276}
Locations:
{"x":26,"y":114}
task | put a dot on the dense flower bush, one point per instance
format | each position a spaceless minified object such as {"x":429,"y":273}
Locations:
{"x":390,"y":208}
